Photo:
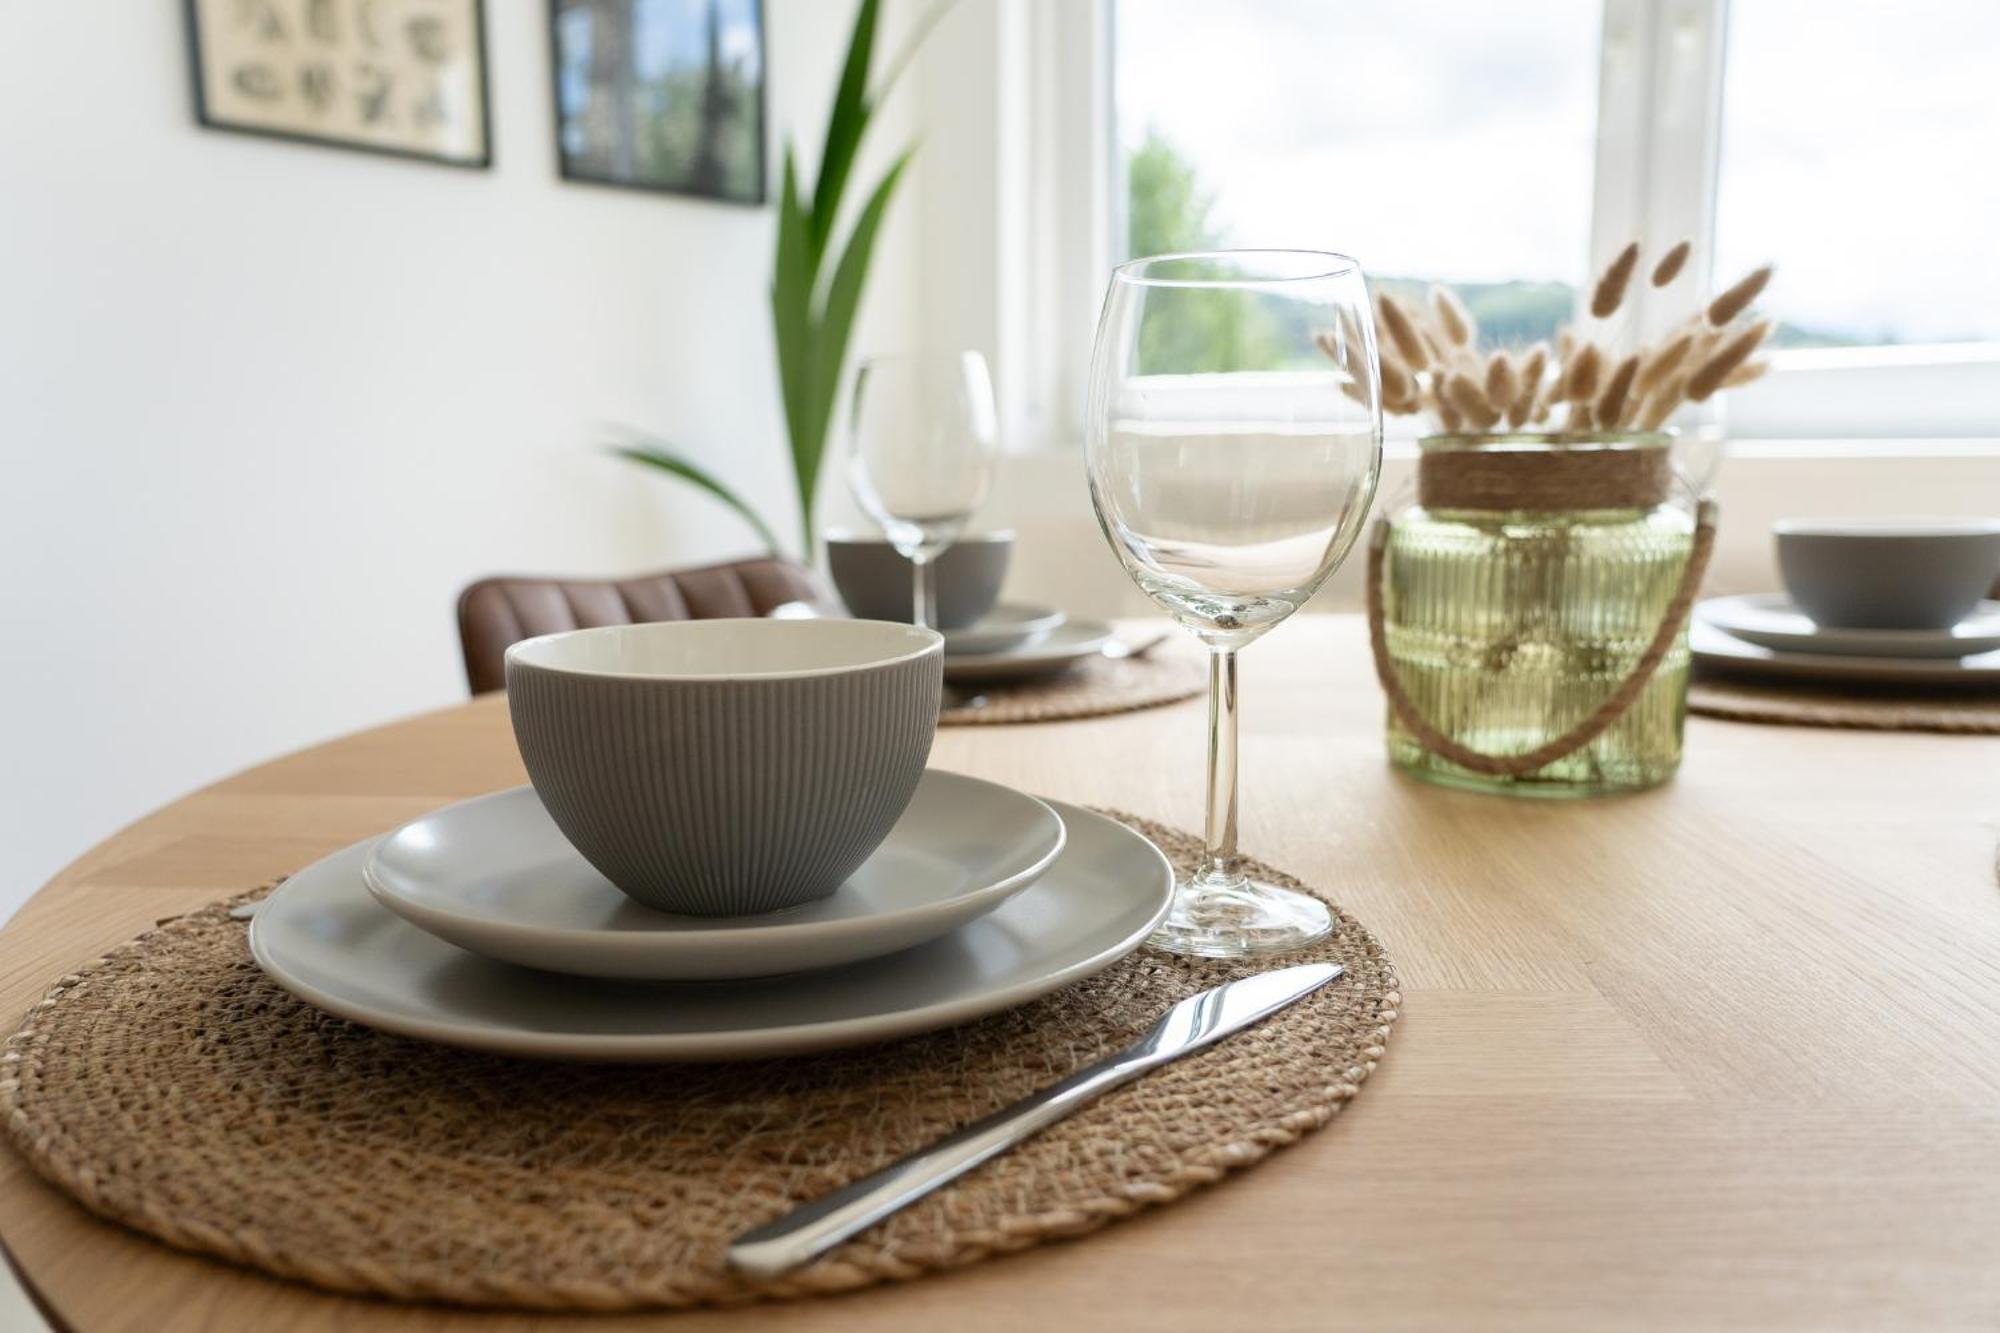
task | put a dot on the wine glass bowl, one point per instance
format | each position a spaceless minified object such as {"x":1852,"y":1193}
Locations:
{"x":924,"y":429}
{"x":1234,"y":442}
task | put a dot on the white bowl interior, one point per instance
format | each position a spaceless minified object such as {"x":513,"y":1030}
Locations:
{"x":726,"y":649}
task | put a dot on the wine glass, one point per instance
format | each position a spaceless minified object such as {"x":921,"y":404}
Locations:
{"x":924,"y":429}
{"x":1234,"y":441}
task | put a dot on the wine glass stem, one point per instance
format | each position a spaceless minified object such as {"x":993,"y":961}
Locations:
{"x":1218,"y":864}
{"x":923,"y":610}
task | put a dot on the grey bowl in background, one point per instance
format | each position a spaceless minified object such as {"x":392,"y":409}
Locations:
{"x":1888,"y":573}
{"x":724,"y":767}
{"x":875,"y":580}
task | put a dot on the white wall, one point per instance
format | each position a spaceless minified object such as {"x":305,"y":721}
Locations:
{"x":265,"y":407}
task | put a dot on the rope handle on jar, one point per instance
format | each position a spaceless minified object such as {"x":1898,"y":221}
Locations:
{"x":1584,"y":732}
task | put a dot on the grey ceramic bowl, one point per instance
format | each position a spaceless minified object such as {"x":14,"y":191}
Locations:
{"x":1910,"y":573}
{"x":875,"y":580}
{"x":724,"y":767}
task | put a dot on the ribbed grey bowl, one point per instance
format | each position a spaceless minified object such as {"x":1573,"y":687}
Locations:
{"x":724,"y":767}
{"x":877,"y":583}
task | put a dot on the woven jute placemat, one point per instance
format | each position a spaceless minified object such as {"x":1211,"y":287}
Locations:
{"x":171,"y":1087}
{"x":1092,"y":688}
{"x":1862,"y":708}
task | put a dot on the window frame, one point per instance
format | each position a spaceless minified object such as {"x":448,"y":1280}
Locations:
{"x":1660,"y":121}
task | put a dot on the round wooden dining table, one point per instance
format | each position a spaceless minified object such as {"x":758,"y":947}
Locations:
{"x":1725,"y":1054}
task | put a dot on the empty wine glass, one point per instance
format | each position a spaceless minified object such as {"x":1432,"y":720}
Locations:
{"x":924,"y":430}
{"x":1234,"y":440}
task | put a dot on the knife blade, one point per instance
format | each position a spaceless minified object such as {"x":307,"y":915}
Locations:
{"x":1196,"y":1022}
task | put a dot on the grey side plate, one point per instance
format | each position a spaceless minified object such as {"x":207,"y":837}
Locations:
{"x":1005,"y":628}
{"x":1770,"y":620}
{"x":494,"y":875}
{"x":1069,"y":643}
{"x":1726,"y":653}
{"x":323,"y":938}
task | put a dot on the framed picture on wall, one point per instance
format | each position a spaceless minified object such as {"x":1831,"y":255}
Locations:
{"x":406,"y":77}
{"x":661,"y":94}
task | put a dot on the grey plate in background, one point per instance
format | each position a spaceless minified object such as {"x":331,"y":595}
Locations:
{"x":1772,"y":620}
{"x":495,"y":875}
{"x":323,"y":938}
{"x":1066,"y":645}
{"x":1003,"y":629}
{"x":1725,"y":652}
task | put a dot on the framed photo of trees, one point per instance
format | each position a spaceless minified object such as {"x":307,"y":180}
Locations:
{"x":661,"y":95}
{"x":406,"y":77}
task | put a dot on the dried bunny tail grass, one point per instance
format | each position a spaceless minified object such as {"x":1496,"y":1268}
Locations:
{"x":1439,"y":345}
{"x":1748,"y":373}
{"x":1718,"y":367}
{"x":1662,"y":362}
{"x":1447,"y":415}
{"x":1350,"y":329}
{"x":1671,"y":263}
{"x":1470,"y":401}
{"x":1610,"y":292}
{"x":1401,"y":394}
{"x":1737,"y":299}
{"x":1402,"y":332}
{"x":1581,"y":381}
{"x":1397,"y":383}
{"x":1581,"y":418}
{"x":1502,"y":383}
{"x":1354,"y":389}
{"x":1544,"y":404}
{"x":1527,"y":393}
{"x":1617,"y":395}
{"x":1565,"y":342}
{"x":1453,"y":317}
{"x":1662,"y":403}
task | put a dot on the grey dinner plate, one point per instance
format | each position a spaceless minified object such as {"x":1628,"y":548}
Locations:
{"x":1772,"y":620}
{"x":496,"y":876}
{"x":1062,"y":648}
{"x":322,"y":937}
{"x":1724,"y":652}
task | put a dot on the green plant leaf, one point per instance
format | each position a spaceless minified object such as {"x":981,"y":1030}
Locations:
{"x":844,"y":127}
{"x":791,"y":322}
{"x":843,"y":300}
{"x":676,"y":465}
{"x":901,"y":60}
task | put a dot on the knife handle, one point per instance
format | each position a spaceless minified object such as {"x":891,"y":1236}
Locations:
{"x":804,"y":1235}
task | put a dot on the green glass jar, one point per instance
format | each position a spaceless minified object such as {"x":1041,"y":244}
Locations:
{"x":1529,"y":613}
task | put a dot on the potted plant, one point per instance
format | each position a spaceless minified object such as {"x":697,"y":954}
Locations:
{"x":818,"y":276}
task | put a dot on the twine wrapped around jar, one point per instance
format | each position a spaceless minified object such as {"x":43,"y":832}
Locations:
{"x":1484,"y":473}
{"x":1499,"y":474}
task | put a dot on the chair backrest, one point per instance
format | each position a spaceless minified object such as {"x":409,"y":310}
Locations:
{"x":497,"y":612}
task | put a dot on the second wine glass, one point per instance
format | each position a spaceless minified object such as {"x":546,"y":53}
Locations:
{"x":924,"y":435}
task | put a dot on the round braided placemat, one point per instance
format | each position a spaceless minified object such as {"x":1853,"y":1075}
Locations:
{"x":1873,"y":709}
{"x":1092,"y":688}
{"x":171,"y":1087}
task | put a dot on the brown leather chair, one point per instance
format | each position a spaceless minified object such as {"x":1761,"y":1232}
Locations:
{"x":497,"y":612}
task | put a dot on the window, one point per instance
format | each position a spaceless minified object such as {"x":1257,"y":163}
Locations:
{"x":1508,"y":150}
{"x":1859,"y":145}
{"x":1435,"y":142}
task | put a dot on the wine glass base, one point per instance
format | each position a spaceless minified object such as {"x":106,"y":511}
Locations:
{"x":1239,"y":919}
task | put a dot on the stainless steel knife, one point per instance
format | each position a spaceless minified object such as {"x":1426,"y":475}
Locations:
{"x":1198,"y":1021}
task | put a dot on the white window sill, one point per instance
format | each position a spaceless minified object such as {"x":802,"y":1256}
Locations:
{"x":1912,"y":449}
